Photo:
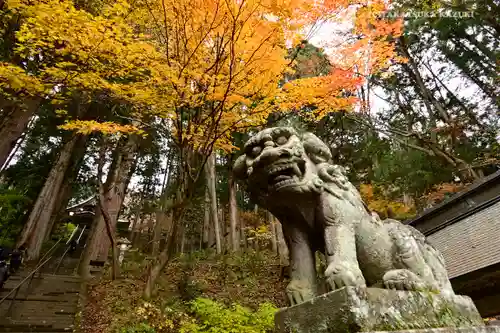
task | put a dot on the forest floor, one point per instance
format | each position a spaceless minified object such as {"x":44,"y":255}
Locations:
{"x":247,"y":279}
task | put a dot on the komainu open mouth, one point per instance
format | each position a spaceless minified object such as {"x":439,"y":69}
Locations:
{"x":280,"y":175}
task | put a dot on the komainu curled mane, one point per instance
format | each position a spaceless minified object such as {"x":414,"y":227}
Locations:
{"x":293,"y":177}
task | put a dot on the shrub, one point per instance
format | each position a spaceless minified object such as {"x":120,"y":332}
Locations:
{"x":64,"y":231}
{"x":13,"y":205}
{"x":139,"y":328}
{"x":156,"y":319}
{"x":213,"y":317}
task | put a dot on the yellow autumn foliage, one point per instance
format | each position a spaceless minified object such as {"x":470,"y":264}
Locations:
{"x":211,"y":67}
{"x":382,"y":205}
{"x":89,"y":126}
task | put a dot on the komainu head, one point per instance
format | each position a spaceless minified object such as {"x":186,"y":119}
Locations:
{"x":279,"y":162}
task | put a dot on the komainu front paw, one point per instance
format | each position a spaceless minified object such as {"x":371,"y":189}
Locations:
{"x":403,"y":279}
{"x":341,"y":275}
{"x":299,"y":291}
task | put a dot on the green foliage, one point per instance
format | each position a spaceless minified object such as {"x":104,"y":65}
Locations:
{"x":201,"y":315}
{"x":410,"y":171}
{"x":139,"y":328}
{"x":64,"y":231}
{"x":309,"y":61}
{"x":261,"y":234}
{"x":190,"y":288}
{"x":249,"y":279}
{"x":37,"y":156}
{"x":13,"y":205}
{"x":213,"y":317}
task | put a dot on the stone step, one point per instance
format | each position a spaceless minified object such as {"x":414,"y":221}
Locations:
{"x":41,"y":296}
{"x":36,"y":290}
{"x":47,"y":304}
{"x":46,"y":284}
{"x":22,"y":328}
{"x":39,"y":308}
{"x":61,"y":321}
{"x":45,"y":324}
{"x":39,"y":305}
{"x":69,"y":278}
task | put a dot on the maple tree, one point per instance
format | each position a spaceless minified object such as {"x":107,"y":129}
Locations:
{"x":207,"y":68}
{"x":54,"y":53}
{"x":380,"y":203}
{"x":440,"y":192}
{"x":206,"y":78}
{"x":200,"y":73}
{"x":228,"y":63}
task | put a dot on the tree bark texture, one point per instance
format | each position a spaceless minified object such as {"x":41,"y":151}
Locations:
{"x":115,"y":272}
{"x":65,"y":192}
{"x":206,"y":220}
{"x":115,"y":189}
{"x":183,"y":239}
{"x":157,"y":232}
{"x":282,"y":247}
{"x":233,"y":215}
{"x":234,"y":223}
{"x":97,"y":246}
{"x":164,"y":257}
{"x":210,"y":173}
{"x":135,"y":226}
{"x":186,"y":182}
{"x":37,"y":225}
{"x":272,"y":229}
{"x":243,"y":237}
{"x":12,"y":125}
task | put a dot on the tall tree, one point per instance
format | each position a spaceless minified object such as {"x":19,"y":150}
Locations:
{"x":219,"y":75}
{"x":272,"y":230}
{"x":233,"y":213}
{"x":211,"y":181}
{"x":37,"y":225}
{"x":114,"y":189}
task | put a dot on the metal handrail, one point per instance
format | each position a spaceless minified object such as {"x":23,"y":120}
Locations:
{"x":47,"y":253}
{"x":24,"y":280}
{"x":45,"y":258}
{"x":69,"y":247}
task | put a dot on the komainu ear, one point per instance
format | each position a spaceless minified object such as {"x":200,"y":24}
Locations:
{"x":240,"y":168}
{"x":316,"y":149}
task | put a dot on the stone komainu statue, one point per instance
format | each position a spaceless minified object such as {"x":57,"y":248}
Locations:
{"x":293,"y":177}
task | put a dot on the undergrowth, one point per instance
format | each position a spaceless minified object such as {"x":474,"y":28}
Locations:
{"x":198,"y":293}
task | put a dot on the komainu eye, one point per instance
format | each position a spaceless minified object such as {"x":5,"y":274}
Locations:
{"x":256,"y":150}
{"x":282,"y":140}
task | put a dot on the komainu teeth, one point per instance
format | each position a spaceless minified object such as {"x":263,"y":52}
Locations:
{"x":293,"y":166}
{"x":284,"y":182}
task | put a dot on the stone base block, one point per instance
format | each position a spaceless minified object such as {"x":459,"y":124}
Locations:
{"x":356,"y":309}
{"x":477,"y":329}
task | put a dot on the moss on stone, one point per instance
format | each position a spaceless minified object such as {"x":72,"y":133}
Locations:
{"x":362,"y":310}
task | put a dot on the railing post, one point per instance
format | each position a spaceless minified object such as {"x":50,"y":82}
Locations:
{"x":30,"y":276}
{"x":16,"y":289}
{"x":9,"y":310}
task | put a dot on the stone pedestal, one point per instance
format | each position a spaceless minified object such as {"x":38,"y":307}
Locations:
{"x":355,"y":309}
{"x":476,"y":329}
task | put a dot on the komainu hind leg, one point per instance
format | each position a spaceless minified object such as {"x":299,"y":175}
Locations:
{"x":436,"y":261}
{"x":413,"y":271}
{"x":403,"y":279}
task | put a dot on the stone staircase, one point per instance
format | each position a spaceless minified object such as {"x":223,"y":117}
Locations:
{"x":48,"y":304}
